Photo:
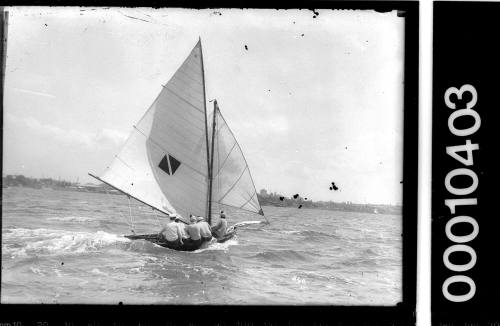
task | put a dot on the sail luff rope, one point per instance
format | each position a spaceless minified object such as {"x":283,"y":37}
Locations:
{"x":157,"y":218}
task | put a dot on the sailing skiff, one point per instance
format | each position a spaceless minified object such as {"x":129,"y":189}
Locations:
{"x":176,"y":163}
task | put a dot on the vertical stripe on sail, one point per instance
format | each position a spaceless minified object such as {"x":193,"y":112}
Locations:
{"x":164,"y":161}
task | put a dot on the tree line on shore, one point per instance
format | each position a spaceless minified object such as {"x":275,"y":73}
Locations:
{"x":274,"y":199}
{"x":39,"y":183}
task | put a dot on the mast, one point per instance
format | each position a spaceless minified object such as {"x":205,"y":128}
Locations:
{"x":211,"y":167}
{"x":4,"y":26}
{"x":209,"y":194}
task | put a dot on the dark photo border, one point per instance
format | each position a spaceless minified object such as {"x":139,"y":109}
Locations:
{"x":401,"y":314}
{"x":465,"y":52}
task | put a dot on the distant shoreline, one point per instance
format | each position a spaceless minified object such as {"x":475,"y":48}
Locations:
{"x":278,"y":200}
{"x":48,"y":183}
{"x":265,"y":198}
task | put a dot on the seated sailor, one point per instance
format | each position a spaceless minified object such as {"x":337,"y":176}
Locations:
{"x":219,"y":230}
{"x":205,"y":231}
{"x":193,"y":229}
{"x":171,"y":232}
{"x":183,"y":235}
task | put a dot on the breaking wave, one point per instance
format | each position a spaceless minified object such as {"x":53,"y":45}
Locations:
{"x":79,"y":219}
{"x":50,"y":242}
{"x":213,"y":245}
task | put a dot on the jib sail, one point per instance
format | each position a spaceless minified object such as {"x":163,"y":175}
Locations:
{"x":232,"y":182}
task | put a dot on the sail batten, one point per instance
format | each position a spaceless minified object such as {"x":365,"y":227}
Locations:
{"x":191,"y":119}
{"x":182,"y":99}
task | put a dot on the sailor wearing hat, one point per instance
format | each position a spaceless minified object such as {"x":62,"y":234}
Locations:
{"x":193,"y":229}
{"x":184,"y":236}
{"x":206,"y":233}
{"x":219,"y":230}
{"x":171,"y":232}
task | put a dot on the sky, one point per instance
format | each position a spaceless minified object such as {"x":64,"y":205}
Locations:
{"x":311,"y":100}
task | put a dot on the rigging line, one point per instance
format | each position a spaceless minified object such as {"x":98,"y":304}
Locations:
{"x":123,"y":216}
{"x":127,"y":194}
{"x":250,"y":174}
{"x":166,"y":151}
{"x":248,"y":200}
{"x":219,"y":167}
{"x":130,"y":213}
{"x":157,"y":218}
{"x":120,"y":159}
{"x":234,"y":184}
{"x":243,"y":209}
{"x":265,"y":217}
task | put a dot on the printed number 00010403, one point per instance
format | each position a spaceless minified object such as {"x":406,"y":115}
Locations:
{"x":453,"y":96}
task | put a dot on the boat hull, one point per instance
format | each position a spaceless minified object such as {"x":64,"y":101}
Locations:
{"x":226,"y":237}
{"x":187,"y":246}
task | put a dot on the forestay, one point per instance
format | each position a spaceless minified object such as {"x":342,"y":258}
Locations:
{"x":164,"y":161}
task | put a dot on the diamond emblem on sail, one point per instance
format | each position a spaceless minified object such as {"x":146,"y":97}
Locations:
{"x":174,"y":164}
{"x":214,"y":170}
{"x":169,"y":161}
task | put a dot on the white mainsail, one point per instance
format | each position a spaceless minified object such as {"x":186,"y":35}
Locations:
{"x":232,"y":182}
{"x":166,"y":164}
{"x":164,"y":161}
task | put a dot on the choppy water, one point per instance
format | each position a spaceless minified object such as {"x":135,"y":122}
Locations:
{"x":67,"y":247}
